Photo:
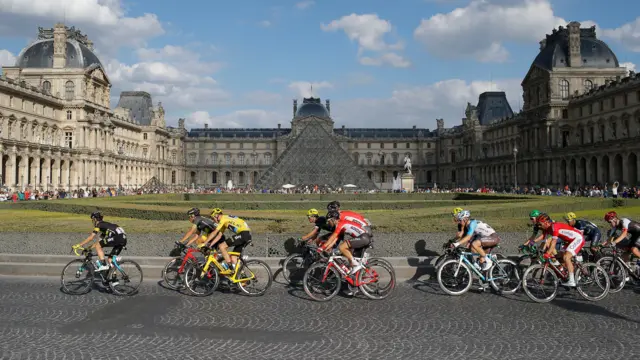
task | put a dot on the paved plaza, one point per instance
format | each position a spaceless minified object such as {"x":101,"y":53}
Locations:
{"x":417,"y":321}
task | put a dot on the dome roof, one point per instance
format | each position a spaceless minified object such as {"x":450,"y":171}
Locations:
{"x":40,"y":55}
{"x":595,"y":53}
{"x":312,"y":107}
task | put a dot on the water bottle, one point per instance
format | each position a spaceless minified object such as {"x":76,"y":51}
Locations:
{"x":225,"y":266}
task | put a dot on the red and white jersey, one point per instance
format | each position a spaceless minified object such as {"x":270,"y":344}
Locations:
{"x":353,"y":217}
{"x":346,"y":227}
{"x":564,"y":232}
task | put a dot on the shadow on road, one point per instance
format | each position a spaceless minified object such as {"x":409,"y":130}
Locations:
{"x":589,"y":308}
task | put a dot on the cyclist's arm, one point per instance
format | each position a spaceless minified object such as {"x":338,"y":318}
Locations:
{"x":551,"y":244}
{"x":215,"y":240}
{"x":89,"y":239}
{"x":470,"y":230}
{"x":459,"y":234}
{"x":622,"y":236}
{"x":194,"y":237}
{"x":215,"y":232}
{"x":331,"y":241}
{"x":189,"y":233}
{"x":536,"y":239}
{"x":312,"y":234}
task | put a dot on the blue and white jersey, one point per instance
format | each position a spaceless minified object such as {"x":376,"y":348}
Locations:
{"x":477,"y":228}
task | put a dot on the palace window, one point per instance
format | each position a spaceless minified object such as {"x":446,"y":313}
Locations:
{"x":173,"y":177}
{"x":69,"y":90}
{"x":144,"y":136}
{"x":68,"y":139}
{"x":564,"y":89}
{"x":241,"y":159}
{"x":69,"y":115}
{"x":588,"y":85}
{"x":267,"y":159}
{"x":46,"y":86}
{"x":227,"y":159}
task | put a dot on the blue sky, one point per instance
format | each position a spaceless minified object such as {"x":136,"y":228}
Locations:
{"x":382,"y":63}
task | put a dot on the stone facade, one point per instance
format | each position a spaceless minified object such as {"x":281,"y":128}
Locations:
{"x":580,"y":125}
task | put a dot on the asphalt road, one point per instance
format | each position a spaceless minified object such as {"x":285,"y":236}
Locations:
{"x":37,"y":321}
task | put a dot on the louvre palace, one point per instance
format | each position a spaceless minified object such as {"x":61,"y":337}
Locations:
{"x":580,"y":124}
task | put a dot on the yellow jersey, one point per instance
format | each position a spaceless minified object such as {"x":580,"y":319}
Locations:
{"x":232,"y":223}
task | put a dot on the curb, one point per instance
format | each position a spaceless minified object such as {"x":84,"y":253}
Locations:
{"x":406,"y":268}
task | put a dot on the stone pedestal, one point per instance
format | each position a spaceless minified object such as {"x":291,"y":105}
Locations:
{"x":407,"y":182}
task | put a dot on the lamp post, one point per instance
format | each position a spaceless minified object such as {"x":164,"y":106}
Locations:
{"x":515,"y":167}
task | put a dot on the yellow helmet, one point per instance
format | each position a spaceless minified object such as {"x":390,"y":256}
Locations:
{"x":313,"y":212}
{"x":570,"y":216}
{"x":216,"y":211}
{"x":456,"y":211}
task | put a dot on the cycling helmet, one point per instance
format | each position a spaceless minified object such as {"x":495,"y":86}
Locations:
{"x":96,"y":215}
{"x":543,"y":218}
{"x":456,"y":211}
{"x":194,"y":212}
{"x":570,"y":216}
{"x":610,"y":216}
{"x":333,"y":214}
{"x":216,"y":211}
{"x":312,"y":212}
{"x":464,"y":214}
{"x":534,"y":213}
{"x":334,"y":205}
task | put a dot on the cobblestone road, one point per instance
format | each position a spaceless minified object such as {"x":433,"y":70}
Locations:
{"x":37,"y":321}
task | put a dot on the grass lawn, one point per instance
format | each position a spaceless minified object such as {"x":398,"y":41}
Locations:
{"x":135,"y":213}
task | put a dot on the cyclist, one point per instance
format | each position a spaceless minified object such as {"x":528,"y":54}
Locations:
{"x":111,"y":235}
{"x":201,"y":228}
{"x":572,"y":240}
{"x":455,"y":213}
{"x":242,"y":235}
{"x":627,"y":227}
{"x":481,"y":236}
{"x":589,"y":230}
{"x":320,"y":223}
{"x":360,"y":238}
{"x":351,"y":216}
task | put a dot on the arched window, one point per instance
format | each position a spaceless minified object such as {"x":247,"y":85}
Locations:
{"x":383,"y":177}
{"x":564,"y":89}
{"x":69,"y":90}
{"x":588,"y":85}
{"x":46,"y":87}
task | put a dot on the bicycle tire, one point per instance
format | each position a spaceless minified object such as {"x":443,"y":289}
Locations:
{"x":117,"y":289}
{"x":192,"y":272}
{"x":440,"y":260}
{"x":253,"y":262}
{"x":364,"y":287}
{"x":500,"y":268}
{"x":615,"y":271}
{"x":90,"y":278}
{"x":173,"y":267}
{"x":461,"y":266}
{"x":321,"y":266}
{"x":545,"y":271}
{"x":596,"y":269}
{"x":285,"y":272}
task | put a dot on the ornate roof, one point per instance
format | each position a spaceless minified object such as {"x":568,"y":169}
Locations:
{"x":312,"y":107}
{"x":140,"y":105}
{"x":238,"y":133}
{"x":492,"y":105}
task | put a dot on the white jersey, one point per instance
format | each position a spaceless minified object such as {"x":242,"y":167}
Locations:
{"x":479,"y":229}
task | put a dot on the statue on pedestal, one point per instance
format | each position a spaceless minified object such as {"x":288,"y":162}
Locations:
{"x":407,"y":164}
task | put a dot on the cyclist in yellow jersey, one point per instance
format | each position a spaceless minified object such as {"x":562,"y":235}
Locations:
{"x":242,"y":234}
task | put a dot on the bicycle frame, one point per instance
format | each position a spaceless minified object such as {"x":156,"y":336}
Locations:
{"x":188,"y":256}
{"x":88,"y":262}
{"x":618,"y":258}
{"x":231,"y":275}
{"x":332,"y":264}
{"x":464,"y":258}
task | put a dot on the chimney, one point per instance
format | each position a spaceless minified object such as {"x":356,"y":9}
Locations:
{"x":575,"y":60}
{"x":206,"y":126}
{"x":343,"y":127}
{"x":414,"y":127}
{"x":59,"y":46}
{"x":295,"y":107}
{"x":328,"y":106}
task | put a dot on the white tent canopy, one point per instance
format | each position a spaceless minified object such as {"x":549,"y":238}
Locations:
{"x":350,"y":186}
{"x":288,"y":186}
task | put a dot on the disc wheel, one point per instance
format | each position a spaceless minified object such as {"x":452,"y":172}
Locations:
{"x":77,"y":277}
{"x":258,"y":277}
{"x":316,"y":288}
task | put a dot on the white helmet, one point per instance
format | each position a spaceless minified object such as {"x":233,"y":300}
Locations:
{"x":464,"y":214}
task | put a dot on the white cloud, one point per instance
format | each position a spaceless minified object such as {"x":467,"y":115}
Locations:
{"x":104,"y":21}
{"x":304,"y":4}
{"x":369,"y":31}
{"x":629,"y":65}
{"x":628,"y":35}
{"x":480,"y":29}
{"x":7,"y":58}
{"x":303,"y":88}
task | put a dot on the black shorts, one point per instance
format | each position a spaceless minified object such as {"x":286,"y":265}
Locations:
{"x":360,"y":242}
{"x":595,"y":238}
{"x":238,"y":241}
{"x":220,"y":241}
{"x":634,"y":241}
{"x":117,"y":243}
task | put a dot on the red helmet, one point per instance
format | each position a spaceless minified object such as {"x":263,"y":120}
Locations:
{"x":610,"y":216}
{"x":543,"y":218}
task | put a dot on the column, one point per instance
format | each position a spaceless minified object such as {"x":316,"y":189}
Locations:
{"x":10,"y":176}
{"x":45,"y":173}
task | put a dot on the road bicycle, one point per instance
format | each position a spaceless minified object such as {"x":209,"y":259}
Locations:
{"x":546,"y":273}
{"x":455,"y":276}
{"x":618,"y":270}
{"x":323,"y":279}
{"x":295,"y":265}
{"x":247,"y":275}
{"x":449,"y":253}
{"x":173,"y":272}
{"x":122,"y":277}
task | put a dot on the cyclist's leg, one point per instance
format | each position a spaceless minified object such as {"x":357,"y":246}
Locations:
{"x":476,"y":247}
{"x":239,"y":244}
{"x":572,"y":250}
{"x":354,"y":244}
{"x":635,"y":246}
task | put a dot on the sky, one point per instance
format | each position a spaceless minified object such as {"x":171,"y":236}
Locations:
{"x":381,"y":63}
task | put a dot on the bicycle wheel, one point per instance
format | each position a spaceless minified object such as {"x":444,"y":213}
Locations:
{"x":77,"y":277}
{"x":294,"y":267}
{"x":258,"y":277}
{"x":592,"y":276}
{"x":171,"y":276}
{"x":505,"y":277}
{"x":319,"y":287}
{"x":454,"y":277}
{"x":373,"y":277}
{"x":125,"y":279}
{"x":539,"y":277}
{"x":440,"y":260}
{"x":617,"y":273}
{"x":197,"y":284}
